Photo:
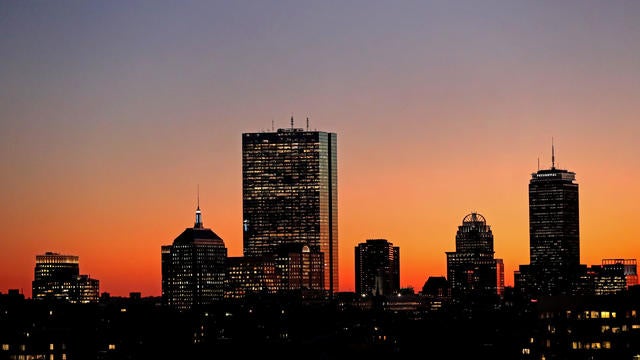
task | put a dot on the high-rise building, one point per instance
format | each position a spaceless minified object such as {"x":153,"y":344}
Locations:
{"x":554,"y":234}
{"x":377,"y":264}
{"x":57,"y":277}
{"x":193,"y":268}
{"x":290,"y":194}
{"x":472,"y":269}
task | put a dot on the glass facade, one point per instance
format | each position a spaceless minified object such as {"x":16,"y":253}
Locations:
{"x":289,"y":194}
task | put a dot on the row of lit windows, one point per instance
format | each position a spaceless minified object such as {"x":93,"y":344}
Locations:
{"x":578,"y":345}
{"x":591,"y":314}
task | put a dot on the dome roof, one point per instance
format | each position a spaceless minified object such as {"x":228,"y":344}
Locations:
{"x":474,"y":217}
{"x":189,"y":235}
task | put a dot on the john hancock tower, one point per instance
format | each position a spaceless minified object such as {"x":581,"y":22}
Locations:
{"x":290,"y":194}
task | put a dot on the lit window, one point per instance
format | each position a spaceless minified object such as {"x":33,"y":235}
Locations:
{"x":5,"y":347}
{"x":112,"y":346}
{"x":51,"y":346}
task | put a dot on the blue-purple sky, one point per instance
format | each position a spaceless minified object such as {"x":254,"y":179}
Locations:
{"x":113,"y":112}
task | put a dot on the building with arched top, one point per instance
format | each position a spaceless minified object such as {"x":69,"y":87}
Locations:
{"x":472,"y":269}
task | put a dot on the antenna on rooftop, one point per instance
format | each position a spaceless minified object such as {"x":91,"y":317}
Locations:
{"x":553,"y":155}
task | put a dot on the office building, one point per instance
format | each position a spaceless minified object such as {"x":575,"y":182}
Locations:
{"x":611,"y":277}
{"x":554,"y":234}
{"x":57,"y":277}
{"x":629,"y":269}
{"x":193,"y":268}
{"x":293,"y":269}
{"x":377,"y":271}
{"x":472,"y":269}
{"x":289,"y":194}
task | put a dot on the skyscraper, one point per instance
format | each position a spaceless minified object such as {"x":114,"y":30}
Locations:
{"x":554,"y":233}
{"x":377,"y":268}
{"x":472,"y":269}
{"x":57,"y":277}
{"x":193,"y":268}
{"x":290,"y":194}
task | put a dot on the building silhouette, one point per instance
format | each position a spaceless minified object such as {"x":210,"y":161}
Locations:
{"x":57,"y":277}
{"x":290,"y":194}
{"x":577,"y":327}
{"x":472,"y":269}
{"x":292,"y":269}
{"x":377,"y":271}
{"x":193,"y":268}
{"x":612,"y":276}
{"x":554,"y":234}
{"x":629,"y":268}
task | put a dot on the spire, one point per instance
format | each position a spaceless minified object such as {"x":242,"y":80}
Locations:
{"x":292,"y":121}
{"x":553,"y":156}
{"x":198,"y":223}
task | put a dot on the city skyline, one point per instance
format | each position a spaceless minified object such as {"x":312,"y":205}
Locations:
{"x":111,"y":115}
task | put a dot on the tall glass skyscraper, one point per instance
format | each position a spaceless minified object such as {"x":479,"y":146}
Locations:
{"x":554,"y":233}
{"x":290,"y":194}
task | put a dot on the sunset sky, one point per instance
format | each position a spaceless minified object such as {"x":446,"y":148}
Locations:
{"x":112,"y":113}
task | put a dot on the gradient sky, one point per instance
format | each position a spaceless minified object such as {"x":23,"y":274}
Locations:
{"x":113,"y":112}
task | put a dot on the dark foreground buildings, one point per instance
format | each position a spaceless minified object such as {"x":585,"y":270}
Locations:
{"x":285,"y":327}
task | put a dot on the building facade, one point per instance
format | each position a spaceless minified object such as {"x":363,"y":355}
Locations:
{"x":472,"y":269}
{"x":57,"y":277}
{"x":586,"y":327}
{"x":377,"y":271}
{"x":193,"y":268}
{"x":554,"y":234}
{"x":290,"y":194}
{"x":629,"y":268}
{"x":291,"y":269}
